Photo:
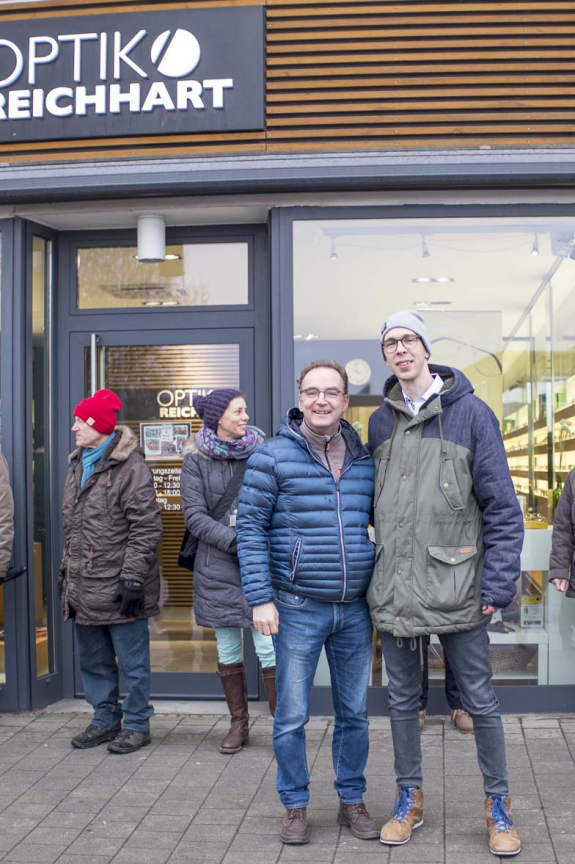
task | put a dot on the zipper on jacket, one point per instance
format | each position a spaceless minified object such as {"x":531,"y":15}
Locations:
{"x":338,"y":496}
{"x":295,"y":559}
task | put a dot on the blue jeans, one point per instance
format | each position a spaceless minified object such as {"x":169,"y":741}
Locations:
{"x":229,"y":641}
{"x":468,"y":654}
{"x":346,"y":631}
{"x":98,"y":647}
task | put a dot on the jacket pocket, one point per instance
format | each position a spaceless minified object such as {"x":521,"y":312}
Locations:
{"x":449,"y":485}
{"x":450,"y":577}
{"x":294,"y":601}
{"x":295,"y":558}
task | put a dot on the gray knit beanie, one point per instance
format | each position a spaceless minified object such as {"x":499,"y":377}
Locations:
{"x":411,"y":321}
{"x":211,"y":407}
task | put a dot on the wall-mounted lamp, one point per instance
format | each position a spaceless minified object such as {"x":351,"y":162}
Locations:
{"x":151,"y":238}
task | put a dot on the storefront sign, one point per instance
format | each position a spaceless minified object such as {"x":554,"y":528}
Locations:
{"x":149,"y":73}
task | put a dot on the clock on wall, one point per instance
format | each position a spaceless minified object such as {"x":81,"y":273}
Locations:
{"x":358,"y":372}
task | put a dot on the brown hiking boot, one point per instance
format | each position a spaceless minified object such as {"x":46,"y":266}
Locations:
{"x":358,"y":820}
{"x":406,"y":815}
{"x":234,"y":684}
{"x":503,"y":838}
{"x":269,"y":676}
{"x":422,"y":718}
{"x":462,"y":721}
{"x":295,"y":830}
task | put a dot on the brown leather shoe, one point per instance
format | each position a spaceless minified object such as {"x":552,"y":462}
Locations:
{"x":358,"y":820}
{"x":269,"y":676}
{"x":295,"y":830}
{"x":422,"y":718}
{"x":462,"y":721}
{"x":234,"y":684}
{"x":503,"y":838}
{"x":406,"y":815}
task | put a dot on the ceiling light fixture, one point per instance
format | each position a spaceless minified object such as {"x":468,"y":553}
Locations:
{"x":422,"y":279}
{"x":425,"y":253}
{"x":434,"y":279}
{"x":171,"y":256}
{"x":152,"y":303}
{"x":170,"y":303}
{"x":311,"y":336}
{"x":151,"y":238}
{"x":333,"y":251}
{"x":535,"y":247}
{"x":444,"y":279}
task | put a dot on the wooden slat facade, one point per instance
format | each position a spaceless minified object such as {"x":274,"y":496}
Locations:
{"x":357,"y":75}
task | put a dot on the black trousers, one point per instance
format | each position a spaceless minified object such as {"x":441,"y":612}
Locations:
{"x":451,"y":691}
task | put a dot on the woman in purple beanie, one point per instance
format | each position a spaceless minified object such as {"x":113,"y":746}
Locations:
{"x":215,"y":453}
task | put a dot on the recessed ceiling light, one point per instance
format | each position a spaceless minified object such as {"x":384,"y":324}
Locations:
{"x":172,"y":257}
{"x":170,"y":303}
{"x":444,"y":279}
{"x":422,"y":279}
{"x":311,"y":336}
{"x":299,"y":336}
{"x":152,"y":303}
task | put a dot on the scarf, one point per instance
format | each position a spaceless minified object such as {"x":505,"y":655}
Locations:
{"x":91,"y":457}
{"x":209,"y":444}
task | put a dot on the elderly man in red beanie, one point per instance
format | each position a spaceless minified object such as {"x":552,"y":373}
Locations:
{"x":109,"y":576}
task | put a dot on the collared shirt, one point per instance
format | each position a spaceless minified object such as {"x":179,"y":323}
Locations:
{"x":416,"y":406}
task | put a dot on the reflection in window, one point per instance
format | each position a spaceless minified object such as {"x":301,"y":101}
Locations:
{"x":498,"y":299}
{"x":194,"y":274}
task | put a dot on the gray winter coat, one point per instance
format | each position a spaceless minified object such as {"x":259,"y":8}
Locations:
{"x":218,"y":596}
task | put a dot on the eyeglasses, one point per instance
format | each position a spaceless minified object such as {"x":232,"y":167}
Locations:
{"x":410,"y":341}
{"x":312,"y":393}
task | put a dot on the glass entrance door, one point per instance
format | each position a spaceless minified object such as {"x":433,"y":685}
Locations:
{"x":156,"y":375}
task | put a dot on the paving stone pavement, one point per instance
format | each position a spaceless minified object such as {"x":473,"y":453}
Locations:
{"x":180,"y":801}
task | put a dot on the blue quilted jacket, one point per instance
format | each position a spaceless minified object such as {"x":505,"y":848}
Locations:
{"x":297,"y":529}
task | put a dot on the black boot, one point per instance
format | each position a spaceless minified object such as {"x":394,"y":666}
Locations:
{"x":235,"y":689}
{"x":93,"y":736}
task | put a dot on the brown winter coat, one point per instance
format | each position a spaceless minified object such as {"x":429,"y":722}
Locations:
{"x":112,"y":527}
{"x":6,"y":517}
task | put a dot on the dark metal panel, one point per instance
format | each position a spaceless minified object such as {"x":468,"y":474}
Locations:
{"x":326,"y":172}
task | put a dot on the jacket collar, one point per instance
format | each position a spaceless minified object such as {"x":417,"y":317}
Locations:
{"x":290,"y":428}
{"x":123,"y":444}
{"x":455,"y":386}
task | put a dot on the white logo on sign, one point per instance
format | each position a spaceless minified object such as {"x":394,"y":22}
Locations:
{"x":181,"y":55}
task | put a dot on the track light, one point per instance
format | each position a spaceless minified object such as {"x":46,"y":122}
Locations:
{"x":424,"y":250}
{"x":535,"y":247}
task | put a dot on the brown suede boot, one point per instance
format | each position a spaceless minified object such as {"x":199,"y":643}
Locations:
{"x":295,"y":830}
{"x":269,"y":676}
{"x":407,"y":815}
{"x":503,"y":838}
{"x":234,"y":684}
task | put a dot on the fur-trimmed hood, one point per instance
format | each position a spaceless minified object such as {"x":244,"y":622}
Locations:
{"x":124,"y":443}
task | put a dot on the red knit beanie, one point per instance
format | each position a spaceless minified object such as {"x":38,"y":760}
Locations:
{"x":99,"y":411}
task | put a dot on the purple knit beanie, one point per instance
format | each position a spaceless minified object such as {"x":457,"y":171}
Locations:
{"x":211,"y":407}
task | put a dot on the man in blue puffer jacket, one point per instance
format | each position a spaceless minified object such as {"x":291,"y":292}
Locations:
{"x":306,"y":563}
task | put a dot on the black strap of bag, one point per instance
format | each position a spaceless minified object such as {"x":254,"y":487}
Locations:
{"x":189,"y":546}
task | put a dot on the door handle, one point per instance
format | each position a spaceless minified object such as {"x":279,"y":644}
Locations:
{"x":13,"y":573}
{"x":94,"y":339}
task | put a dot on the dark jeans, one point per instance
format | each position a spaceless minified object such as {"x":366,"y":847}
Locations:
{"x":451,"y":691}
{"x":346,"y":631}
{"x":98,"y":647}
{"x":469,"y":661}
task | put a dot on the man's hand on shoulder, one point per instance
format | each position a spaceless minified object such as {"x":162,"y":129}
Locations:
{"x":266,"y":619}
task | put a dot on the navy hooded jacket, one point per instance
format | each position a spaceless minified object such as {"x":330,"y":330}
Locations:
{"x":297,"y":529}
